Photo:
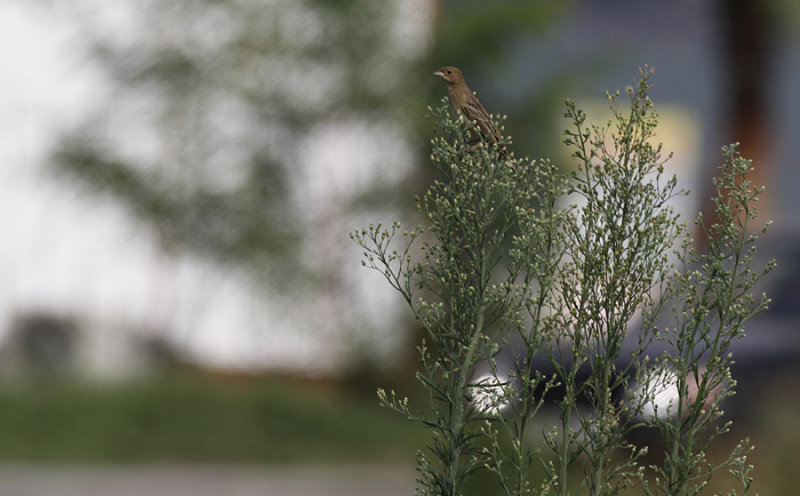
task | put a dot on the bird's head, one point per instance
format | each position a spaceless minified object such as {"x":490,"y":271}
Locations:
{"x":450,"y":75}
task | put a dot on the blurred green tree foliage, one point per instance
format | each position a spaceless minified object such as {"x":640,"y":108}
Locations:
{"x":211,"y":108}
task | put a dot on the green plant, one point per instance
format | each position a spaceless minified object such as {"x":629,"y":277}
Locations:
{"x":714,"y":298}
{"x":522,"y":259}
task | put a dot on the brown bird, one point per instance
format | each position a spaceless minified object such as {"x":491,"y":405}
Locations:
{"x":465,"y":103}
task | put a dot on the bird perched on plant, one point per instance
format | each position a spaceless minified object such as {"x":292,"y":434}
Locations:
{"x":465,"y":103}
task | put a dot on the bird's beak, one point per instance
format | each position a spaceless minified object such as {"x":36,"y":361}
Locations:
{"x":439,"y":74}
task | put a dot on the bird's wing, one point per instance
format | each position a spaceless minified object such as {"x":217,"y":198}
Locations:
{"x":474,"y":110}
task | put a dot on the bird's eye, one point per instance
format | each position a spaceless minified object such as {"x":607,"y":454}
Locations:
{"x":449,"y":72}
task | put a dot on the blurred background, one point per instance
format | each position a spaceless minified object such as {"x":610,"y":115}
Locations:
{"x":182,"y":310}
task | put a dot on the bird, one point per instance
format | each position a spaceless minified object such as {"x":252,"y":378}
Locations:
{"x":465,"y":103}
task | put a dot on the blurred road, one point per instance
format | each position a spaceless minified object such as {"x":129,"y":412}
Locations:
{"x":204,"y":480}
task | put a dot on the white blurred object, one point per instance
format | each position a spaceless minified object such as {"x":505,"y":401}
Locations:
{"x":658,"y":390}
{"x":490,"y":393}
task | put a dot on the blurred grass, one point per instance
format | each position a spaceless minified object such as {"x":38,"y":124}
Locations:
{"x":272,"y":420}
{"x":200,"y":420}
